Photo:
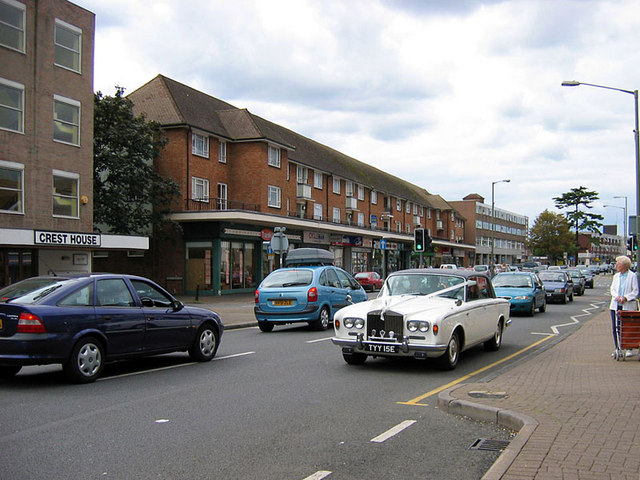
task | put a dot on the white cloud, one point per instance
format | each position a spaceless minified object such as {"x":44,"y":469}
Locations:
{"x":448,"y":95}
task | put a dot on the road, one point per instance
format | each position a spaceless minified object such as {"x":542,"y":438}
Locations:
{"x":280,"y":405}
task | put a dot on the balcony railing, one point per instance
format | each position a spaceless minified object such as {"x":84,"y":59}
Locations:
{"x":352,"y":203}
{"x":209,"y":204}
{"x":304,"y":191}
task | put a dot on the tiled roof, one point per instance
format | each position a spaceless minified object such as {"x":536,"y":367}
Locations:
{"x":172,"y":103}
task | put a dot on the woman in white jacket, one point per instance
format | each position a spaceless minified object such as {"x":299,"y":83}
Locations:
{"x":624,"y":291}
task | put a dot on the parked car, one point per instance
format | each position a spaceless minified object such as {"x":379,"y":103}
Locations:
{"x":370,"y":281}
{"x":309,"y":292}
{"x":86,"y":320}
{"x":450,"y":266}
{"x":481,"y":268}
{"x":579,"y":281}
{"x":558,"y":285}
{"x":424,"y":313}
{"x":524,"y":290}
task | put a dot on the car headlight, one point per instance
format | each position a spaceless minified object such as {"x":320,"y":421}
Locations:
{"x":415,"y":325}
{"x":522,"y":297}
{"x":350,"y":322}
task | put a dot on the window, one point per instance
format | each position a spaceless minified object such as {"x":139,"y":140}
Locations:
{"x":222,"y":196}
{"x":11,"y":187}
{"x":12,"y":16}
{"x":348,"y":189}
{"x":65,"y":194}
{"x":317,"y":180}
{"x":222,"y":152}
{"x":274,"y":156}
{"x":303,"y":174}
{"x":336,"y":186}
{"x":66,"y":120}
{"x":415,"y":209}
{"x":360,"y":193}
{"x":361,"y":219}
{"x":317,"y":211}
{"x":199,"y":189}
{"x":11,"y":105}
{"x":336,"y":214}
{"x":274,"y":197}
{"x":82,"y":297}
{"x":398,"y":204}
{"x":113,"y":293}
{"x":374,"y":197}
{"x":407,"y":207}
{"x":68,"y":40}
{"x":200,"y":145}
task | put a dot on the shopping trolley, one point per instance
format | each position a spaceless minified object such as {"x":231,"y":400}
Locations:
{"x":628,"y":332}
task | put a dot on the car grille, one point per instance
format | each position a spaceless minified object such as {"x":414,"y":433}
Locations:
{"x":389,"y":322}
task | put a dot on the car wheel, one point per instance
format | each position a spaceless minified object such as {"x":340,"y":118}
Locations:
{"x":206,"y":344}
{"x":265,"y":326}
{"x":564,"y":299}
{"x":449,"y":360}
{"x":493,"y":345}
{"x":322,"y":323}
{"x":532,"y":310}
{"x":9,"y":371}
{"x":543,"y":307}
{"x":354,"y":358}
{"x":86,"y":361}
{"x":571,"y":297}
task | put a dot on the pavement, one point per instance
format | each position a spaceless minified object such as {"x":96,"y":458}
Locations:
{"x":575,"y":409}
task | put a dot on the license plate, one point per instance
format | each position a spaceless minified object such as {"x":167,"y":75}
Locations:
{"x":382,"y":348}
{"x":283,"y":303}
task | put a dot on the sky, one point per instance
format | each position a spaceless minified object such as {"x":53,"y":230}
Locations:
{"x":450,"y":95}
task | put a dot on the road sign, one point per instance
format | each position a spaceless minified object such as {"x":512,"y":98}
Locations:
{"x":279,"y":241}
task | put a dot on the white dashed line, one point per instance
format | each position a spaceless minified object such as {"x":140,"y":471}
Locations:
{"x":393,"y":431}
{"x":319,"y":475}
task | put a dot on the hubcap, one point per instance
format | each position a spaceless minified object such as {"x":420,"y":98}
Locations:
{"x":207,"y":342}
{"x":89,"y":360}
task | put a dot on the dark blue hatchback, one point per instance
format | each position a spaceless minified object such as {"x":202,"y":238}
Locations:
{"x":84,"y":321}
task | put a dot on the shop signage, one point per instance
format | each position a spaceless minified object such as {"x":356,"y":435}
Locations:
{"x":373,"y":220}
{"x":266,"y":234}
{"x":384,"y":244}
{"x":316,"y":237}
{"x":346,"y":240}
{"x":253,"y":233}
{"x":68,"y":239}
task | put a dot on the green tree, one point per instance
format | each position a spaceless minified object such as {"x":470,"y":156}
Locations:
{"x":579,"y":219}
{"x":130,"y":197}
{"x":550,"y":236}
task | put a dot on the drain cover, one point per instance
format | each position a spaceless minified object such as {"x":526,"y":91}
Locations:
{"x":489,"y":444}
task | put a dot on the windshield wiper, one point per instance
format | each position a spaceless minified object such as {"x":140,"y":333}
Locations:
{"x":46,"y":292}
{"x":292,"y":284}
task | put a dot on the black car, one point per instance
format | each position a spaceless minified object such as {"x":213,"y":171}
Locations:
{"x":579,"y":281}
{"x":84,"y":321}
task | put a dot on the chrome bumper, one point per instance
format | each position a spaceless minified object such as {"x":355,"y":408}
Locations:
{"x":359,"y":344}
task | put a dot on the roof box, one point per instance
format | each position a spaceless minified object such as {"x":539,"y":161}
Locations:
{"x":309,"y":256}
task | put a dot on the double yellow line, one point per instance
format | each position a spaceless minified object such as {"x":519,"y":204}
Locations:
{"x":417,"y":400}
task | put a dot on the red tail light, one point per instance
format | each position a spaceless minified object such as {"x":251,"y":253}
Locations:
{"x":312,"y":295}
{"x":257,"y":296}
{"x":29,"y":323}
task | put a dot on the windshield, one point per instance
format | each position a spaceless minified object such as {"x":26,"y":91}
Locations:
{"x":421,"y":284}
{"x":288,"y":278}
{"x":31,"y":289}
{"x":551,"y":277}
{"x":515,"y":281}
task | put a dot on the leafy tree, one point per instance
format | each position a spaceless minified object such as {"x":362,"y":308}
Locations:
{"x":580,"y":220}
{"x":550,"y":236}
{"x":130,"y":197}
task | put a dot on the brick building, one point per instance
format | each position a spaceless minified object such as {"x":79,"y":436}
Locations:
{"x":46,"y":140}
{"x":242,"y":176}
{"x":509,"y":231}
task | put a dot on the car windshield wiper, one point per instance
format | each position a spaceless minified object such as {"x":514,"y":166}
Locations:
{"x":46,"y":292}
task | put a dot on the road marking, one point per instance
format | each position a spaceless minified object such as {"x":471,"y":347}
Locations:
{"x":319,"y":475}
{"x":319,"y":340}
{"x":417,"y":400}
{"x":171,"y":367}
{"x":574,"y":319}
{"x":393,"y":431}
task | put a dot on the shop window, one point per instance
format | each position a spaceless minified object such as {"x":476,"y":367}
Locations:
{"x":198,"y":267}
{"x":237,"y":268}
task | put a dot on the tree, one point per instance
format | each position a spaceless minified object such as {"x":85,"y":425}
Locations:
{"x":579,"y":219}
{"x":550,"y":236}
{"x":130,"y":197}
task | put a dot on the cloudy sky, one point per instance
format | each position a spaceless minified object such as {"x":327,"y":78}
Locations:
{"x":450,"y":95}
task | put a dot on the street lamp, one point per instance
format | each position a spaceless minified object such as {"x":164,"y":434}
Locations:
{"x":626,"y":218}
{"x":573,"y":83}
{"x":493,"y":221}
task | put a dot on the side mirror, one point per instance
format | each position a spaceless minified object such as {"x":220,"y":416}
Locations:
{"x":349,"y":299}
{"x":177,"y":305}
{"x":146,"y":302}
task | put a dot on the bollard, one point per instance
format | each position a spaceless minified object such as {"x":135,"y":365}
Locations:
{"x":197,"y":292}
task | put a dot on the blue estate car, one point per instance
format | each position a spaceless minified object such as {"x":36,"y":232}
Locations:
{"x":524,"y":290}
{"x":85,"y":320}
{"x":558,"y":285}
{"x":312,"y":292}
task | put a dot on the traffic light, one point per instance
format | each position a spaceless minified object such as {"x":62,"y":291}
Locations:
{"x":634,"y":243}
{"x":427,"y":241}
{"x":419,"y":240}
